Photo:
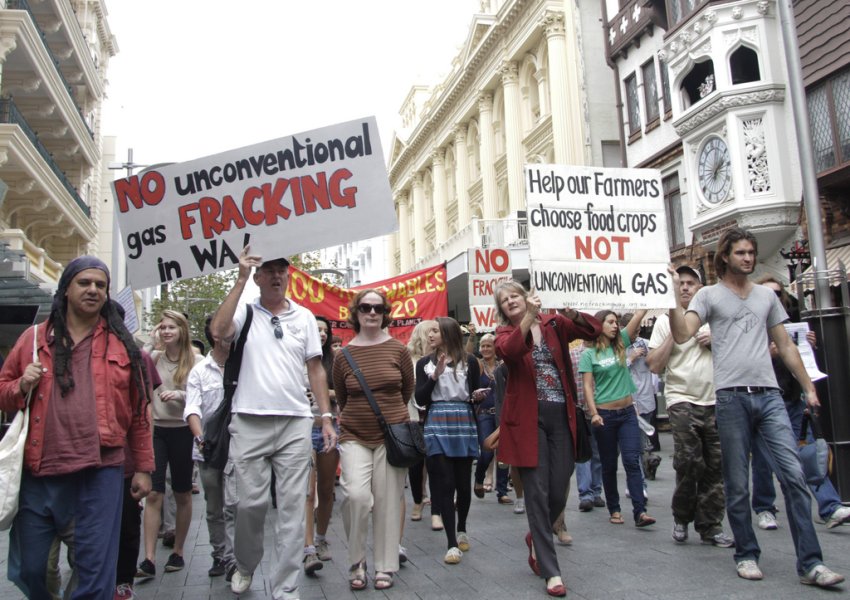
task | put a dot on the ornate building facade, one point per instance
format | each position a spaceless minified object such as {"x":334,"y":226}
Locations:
{"x":53,"y":60}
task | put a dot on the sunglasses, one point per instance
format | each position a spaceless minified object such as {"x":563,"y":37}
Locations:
{"x":278,"y":330}
{"x":366,"y":308}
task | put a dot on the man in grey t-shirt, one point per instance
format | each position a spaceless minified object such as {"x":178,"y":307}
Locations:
{"x":749,"y":406}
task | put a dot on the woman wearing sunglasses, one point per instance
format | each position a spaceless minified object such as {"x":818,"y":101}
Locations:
{"x":368,"y":481}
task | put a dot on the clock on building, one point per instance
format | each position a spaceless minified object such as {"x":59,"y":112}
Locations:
{"x":715,"y":170}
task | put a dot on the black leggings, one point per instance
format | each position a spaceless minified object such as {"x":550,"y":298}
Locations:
{"x":417,"y":476}
{"x":449,"y":476}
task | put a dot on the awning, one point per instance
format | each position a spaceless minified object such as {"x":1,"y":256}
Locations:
{"x":836,"y":254}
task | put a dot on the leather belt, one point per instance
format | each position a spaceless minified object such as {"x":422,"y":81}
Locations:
{"x":747,"y":389}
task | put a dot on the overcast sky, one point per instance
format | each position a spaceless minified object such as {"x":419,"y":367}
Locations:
{"x":198,"y":77}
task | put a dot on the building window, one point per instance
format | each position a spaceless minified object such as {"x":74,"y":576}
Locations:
{"x":633,"y":104}
{"x":650,"y":92}
{"x":699,"y":83}
{"x":744,"y":65}
{"x":673,"y":208}
{"x":679,"y":10}
{"x":665,"y":89}
{"x":829,"y":121}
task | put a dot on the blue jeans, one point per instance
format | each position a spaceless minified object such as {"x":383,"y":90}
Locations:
{"x":620,"y":434}
{"x":764,"y":494}
{"x":589,"y":474}
{"x":92,"y":500}
{"x":486,"y":426}
{"x":747,"y":420}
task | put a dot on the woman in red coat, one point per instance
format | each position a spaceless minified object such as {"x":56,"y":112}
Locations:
{"x":538,"y":425}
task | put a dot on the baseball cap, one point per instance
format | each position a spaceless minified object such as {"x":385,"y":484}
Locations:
{"x":690,"y":271}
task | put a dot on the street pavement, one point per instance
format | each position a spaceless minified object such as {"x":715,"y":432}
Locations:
{"x":605,"y":562}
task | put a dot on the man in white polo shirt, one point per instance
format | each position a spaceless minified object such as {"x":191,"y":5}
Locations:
{"x":272,"y":421}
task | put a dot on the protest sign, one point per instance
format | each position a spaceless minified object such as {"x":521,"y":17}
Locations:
{"x":128,"y":303}
{"x":413,"y":297}
{"x":597,"y":237}
{"x":310,"y":190}
{"x":487,"y":268}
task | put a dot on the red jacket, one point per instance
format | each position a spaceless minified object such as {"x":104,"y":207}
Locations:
{"x":116,"y":396}
{"x":518,"y":426}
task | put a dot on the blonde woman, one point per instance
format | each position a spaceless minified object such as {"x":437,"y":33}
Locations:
{"x":172,"y":438}
{"x":418,"y":347}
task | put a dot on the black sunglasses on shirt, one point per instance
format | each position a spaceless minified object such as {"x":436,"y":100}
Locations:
{"x":278,"y":330}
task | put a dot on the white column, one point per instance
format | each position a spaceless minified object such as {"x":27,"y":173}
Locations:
{"x":462,"y":176}
{"x":418,"y":218}
{"x":565,"y":93}
{"x":438,"y":172}
{"x":513,"y":136}
{"x":404,"y":233}
{"x":488,"y":155}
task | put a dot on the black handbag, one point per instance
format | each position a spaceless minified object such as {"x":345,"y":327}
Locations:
{"x":216,"y":446}
{"x":404,"y":442}
{"x":584,"y":447}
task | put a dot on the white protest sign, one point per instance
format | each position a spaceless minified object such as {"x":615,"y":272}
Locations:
{"x":487,"y":268}
{"x":294,"y":194}
{"x":125,"y":299}
{"x":597,"y":237}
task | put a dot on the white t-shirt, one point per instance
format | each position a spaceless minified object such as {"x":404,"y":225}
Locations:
{"x":271,"y":381}
{"x":689,"y":376}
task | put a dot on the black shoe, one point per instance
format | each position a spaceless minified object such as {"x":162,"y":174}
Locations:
{"x":228,"y":577}
{"x":599,"y":502}
{"x":585,"y":505}
{"x":146,"y":570}
{"x":168,"y":538}
{"x":217,"y":569}
{"x":175,"y":563}
{"x":652,"y":462}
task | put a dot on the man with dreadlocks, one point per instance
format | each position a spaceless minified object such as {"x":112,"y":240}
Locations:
{"x":88,"y":408}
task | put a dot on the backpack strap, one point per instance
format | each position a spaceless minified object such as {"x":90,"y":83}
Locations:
{"x":234,"y":361}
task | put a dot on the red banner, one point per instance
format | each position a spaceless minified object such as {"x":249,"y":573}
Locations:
{"x":413,"y":297}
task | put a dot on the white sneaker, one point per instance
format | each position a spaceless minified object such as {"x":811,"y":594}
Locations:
{"x":767,"y":521}
{"x":453,"y":556}
{"x":749,"y":569}
{"x":519,"y":506}
{"x":821,"y":576}
{"x":240,"y":583}
{"x":463,"y":541}
{"x":839,"y":517}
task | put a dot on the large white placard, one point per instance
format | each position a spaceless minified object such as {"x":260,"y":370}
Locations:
{"x":294,"y":194}
{"x":598,"y":237}
{"x":488,"y":267}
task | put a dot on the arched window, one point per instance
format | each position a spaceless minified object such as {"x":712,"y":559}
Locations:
{"x":744,"y":65}
{"x":698,"y":84}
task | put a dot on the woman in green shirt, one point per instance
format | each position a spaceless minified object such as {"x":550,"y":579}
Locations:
{"x":608,"y":389}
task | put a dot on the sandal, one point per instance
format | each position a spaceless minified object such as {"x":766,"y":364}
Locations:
{"x":357,"y":578}
{"x":488,"y":488}
{"x":383,"y":581}
{"x":644,"y":520}
{"x":616,"y":519}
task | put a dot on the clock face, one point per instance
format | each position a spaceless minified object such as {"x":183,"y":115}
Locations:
{"x":715,"y":170}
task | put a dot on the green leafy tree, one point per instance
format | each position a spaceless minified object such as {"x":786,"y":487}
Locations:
{"x":196,"y":298}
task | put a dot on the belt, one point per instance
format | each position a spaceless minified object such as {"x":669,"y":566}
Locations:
{"x":748,"y":389}
{"x":617,"y":411}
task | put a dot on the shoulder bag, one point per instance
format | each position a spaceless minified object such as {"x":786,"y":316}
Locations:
{"x":12,"y":454}
{"x":216,"y":433}
{"x":404,"y":442}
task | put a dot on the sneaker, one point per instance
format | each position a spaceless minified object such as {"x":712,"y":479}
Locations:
{"x":585,"y":505}
{"x":323,"y":550}
{"x":311,"y":563}
{"x":767,"y":521}
{"x":839,"y":517}
{"x":453,"y":556}
{"x":463,"y":541}
{"x":146,"y":570}
{"x":124,"y":592}
{"x":720,"y":539}
{"x":519,"y":506}
{"x":821,"y":576}
{"x":241,"y":582}
{"x":599,"y":502}
{"x":680,"y":533}
{"x":175,"y":563}
{"x":217,"y":569}
{"x":402,"y":554}
{"x":436,"y":522}
{"x":749,"y":569}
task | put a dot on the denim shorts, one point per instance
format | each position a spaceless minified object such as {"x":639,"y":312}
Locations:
{"x":318,"y":440}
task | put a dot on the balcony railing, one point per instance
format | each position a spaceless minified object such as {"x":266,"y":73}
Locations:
{"x":24,"y":5}
{"x":10,"y":114}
